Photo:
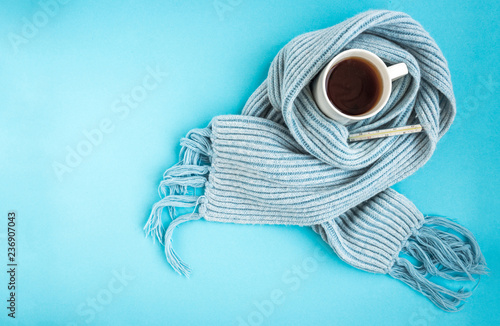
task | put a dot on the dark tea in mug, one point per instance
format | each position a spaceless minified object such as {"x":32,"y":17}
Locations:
{"x":354,"y":86}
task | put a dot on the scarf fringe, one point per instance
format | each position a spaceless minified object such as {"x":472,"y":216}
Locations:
{"x":440,"y":253}
{"x":154,"y":225}
{"x":173,"y":259}
{"x":178,"y":190}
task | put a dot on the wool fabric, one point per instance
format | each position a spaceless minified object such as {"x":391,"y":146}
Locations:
{"x":282,"y":161}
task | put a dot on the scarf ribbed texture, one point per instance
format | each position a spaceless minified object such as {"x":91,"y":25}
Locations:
{"x":284,"y":162}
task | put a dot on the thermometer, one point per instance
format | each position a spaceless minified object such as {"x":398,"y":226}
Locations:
{"x":385,"y":133}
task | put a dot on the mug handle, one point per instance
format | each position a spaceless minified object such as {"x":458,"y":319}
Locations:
{"x":397,"y":71}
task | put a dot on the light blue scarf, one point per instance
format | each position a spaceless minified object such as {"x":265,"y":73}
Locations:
{"x":283,"y":162}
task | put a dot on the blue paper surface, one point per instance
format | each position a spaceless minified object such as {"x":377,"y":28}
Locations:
{"x":123,"y":82}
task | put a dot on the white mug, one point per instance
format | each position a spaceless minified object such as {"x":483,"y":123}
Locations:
{"x":387,"y":75}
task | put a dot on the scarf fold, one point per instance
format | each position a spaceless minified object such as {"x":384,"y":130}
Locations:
{"x":283,"y":162}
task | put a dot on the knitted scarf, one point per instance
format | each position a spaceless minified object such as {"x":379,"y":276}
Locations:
{"x":284,"y":162}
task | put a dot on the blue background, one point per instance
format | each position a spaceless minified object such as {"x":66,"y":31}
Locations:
{"x":78,"y":232}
